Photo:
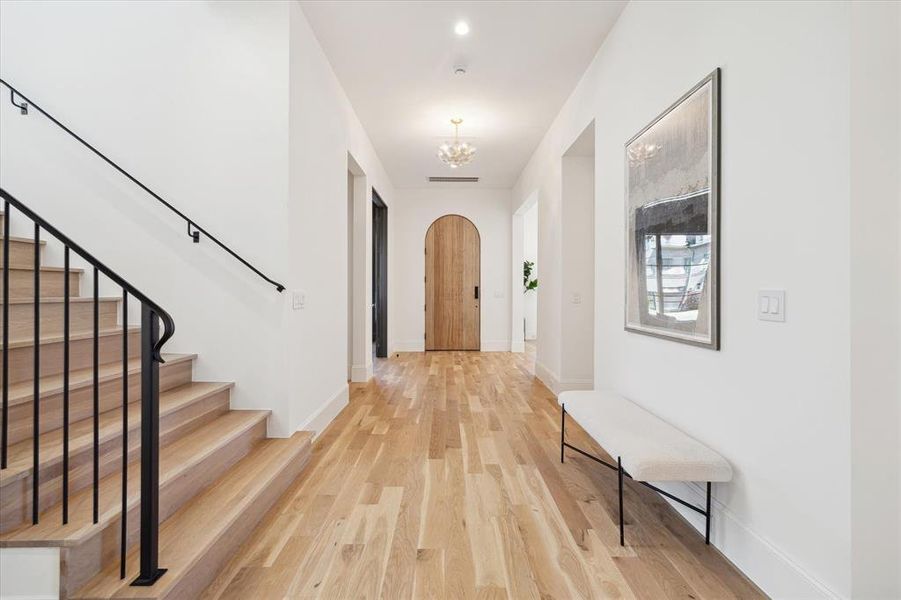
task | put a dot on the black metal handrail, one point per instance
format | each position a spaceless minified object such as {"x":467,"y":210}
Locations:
{"x":120,"y":281}
{"x":194,"y":230}
{"x":151,"y":345}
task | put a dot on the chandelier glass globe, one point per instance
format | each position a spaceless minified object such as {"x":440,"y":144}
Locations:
{"x":456,"y":154}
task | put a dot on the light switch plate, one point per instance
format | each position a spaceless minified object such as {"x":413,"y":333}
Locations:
{"x":298,"y":300}
{"x":771,"y":305}
{"x":576,"y":298}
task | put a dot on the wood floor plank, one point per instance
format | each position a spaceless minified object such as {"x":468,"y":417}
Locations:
{"x":442,"y":479}
{"x":458,"y":560}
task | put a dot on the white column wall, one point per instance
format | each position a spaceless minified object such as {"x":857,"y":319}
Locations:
{"x":577,"y":287}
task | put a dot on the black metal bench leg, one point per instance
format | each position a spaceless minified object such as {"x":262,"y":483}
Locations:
{"x":562,"y":429}
{"x":707,"y":532}
{"x":619,"y":472}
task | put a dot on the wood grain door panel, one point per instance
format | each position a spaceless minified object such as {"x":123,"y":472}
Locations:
{"x":452,"y":285}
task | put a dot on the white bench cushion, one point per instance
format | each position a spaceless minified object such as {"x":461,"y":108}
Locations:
{"x":650,"y":449}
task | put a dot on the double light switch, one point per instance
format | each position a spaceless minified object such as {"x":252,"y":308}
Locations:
{"x":771,"y":305}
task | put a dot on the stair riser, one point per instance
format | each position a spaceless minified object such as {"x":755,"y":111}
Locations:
{"x":21,"y":283}
{"x":21,"y":254}
{"x":81,"y":318}
{"x":189,"y":418}
{"x":204,"y":570}
{"x":81,"y":401}
{"x":82,"y":562}
{"x":16,"y":506}
{"x":81,"y":355}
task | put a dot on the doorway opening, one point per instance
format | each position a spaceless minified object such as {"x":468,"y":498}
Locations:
{"x":522,"y":322}
{"x":530,"y":275}
{"x":577,"y":242}
{"x":379,"y":276}
{"x":452,"y":284}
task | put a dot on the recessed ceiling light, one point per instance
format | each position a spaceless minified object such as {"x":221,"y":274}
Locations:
{"x":461,"y":28}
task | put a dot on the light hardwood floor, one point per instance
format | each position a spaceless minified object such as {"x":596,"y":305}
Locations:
{"x":442,"y":479}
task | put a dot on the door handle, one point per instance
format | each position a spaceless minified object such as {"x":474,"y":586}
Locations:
{"x":477,"y":293}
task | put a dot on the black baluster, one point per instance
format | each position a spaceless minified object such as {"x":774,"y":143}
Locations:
{"x":66,"y":386}
{"x":5,"y":442}
{"x":707,"y":514}
{"x":124,"y":519}
{"x":36,"y":391}
{"x":150,"y":449}
{"x":96,"y":397}
{"x":622,"y":517}
{"x":151,"y":340}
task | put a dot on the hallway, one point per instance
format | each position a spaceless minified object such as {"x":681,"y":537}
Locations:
{"x":442,"y":479}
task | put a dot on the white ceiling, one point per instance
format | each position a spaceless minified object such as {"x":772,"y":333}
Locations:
{"x":396,"y":62}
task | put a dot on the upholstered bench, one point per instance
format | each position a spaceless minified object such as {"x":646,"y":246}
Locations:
{"x":646,"y":447}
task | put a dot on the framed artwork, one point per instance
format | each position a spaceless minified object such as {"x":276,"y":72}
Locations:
{"x":672,"y":237}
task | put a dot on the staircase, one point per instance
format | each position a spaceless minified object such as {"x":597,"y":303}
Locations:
{"x":218,"y":473}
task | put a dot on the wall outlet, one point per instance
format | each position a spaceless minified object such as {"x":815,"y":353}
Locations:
{"x":576,"y":298}
{"x":298,"y":300}
{"x":771,"y":305}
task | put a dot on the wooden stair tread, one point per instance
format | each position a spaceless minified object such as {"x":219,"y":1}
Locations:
{"x":60,"y":299}
{"x":215,"y":499}
{"x":189,"y":533}
{"x":81,"y":432}
{"x":175,"y":459}
{"x":22,"y":392}
{"x":45,"y":269}
{"x":22,"y":240}
{"x":73,"y":337}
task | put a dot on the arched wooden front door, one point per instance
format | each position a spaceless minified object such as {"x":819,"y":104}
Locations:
{"x":452,"y":294}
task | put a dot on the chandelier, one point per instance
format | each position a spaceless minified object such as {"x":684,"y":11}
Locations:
{"x":458,"y":153}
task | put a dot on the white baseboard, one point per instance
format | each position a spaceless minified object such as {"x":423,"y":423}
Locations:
{"x":568,"y":385}
{"x":557,"y":385}
{"x":495,"y":346}
{"x":29,"y":573}
{"x":319,"y":420}
{"x":547,"y":377}
{"x":419,"y":346}
{"x":518,"y":346}
{"x":766,"y":565}
{"x":410,"y":346}
{"x":361,"y":373}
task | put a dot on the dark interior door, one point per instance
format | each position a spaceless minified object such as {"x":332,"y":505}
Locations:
{"x":379,"y":276}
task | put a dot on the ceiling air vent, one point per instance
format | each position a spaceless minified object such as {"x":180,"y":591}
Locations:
{"x":453,"y":179}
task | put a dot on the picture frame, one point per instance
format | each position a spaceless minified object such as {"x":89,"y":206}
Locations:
{"x":672,"y":196}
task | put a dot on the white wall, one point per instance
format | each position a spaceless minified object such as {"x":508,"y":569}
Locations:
{"x":577,"y":287}
{"x":29,"y":573}
{"x":775,"y":400}
{"x":530,"y":252}
{"x":231,"y":111}
{"x":326,"y":139}
{"x":350,"y":274}
{"x":550,"y":257}
{"x":192,"y":97}
{"x":875,"y":300}
{"x":414,"y":211}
